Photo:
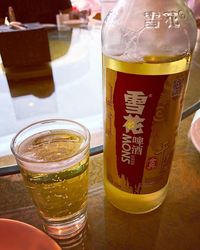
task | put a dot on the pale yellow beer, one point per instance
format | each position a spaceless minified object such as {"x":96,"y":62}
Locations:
{"x":164,"y":129}
{"x":53,"y":156}
{"x":57,"y":194}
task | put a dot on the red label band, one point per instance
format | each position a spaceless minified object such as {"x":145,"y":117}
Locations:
{"x":135,"y":101}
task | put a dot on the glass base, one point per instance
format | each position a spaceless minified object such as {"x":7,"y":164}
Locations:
{"x":79,"y":241}
{"x":67,"y":228}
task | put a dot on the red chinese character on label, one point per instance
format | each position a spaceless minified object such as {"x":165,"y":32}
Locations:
{"x":152,"y":163}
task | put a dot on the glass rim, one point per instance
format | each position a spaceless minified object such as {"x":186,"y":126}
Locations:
{"x":26,"y":128}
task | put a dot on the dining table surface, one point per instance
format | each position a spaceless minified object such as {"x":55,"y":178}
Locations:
{"x":69,"y":86}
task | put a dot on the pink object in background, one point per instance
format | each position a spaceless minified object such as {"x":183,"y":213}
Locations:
{"x":195,"y":7}
{"x":194,"y":133}
{"x":93,"y":5}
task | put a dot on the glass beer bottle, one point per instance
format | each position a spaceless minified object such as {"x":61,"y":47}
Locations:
{"x":147,"y":47}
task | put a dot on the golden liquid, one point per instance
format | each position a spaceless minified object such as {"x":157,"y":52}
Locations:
{"x":125,"y":201}
{"x":57,"y":194}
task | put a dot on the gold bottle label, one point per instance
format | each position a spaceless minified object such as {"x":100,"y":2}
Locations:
{"x":143,"y":104}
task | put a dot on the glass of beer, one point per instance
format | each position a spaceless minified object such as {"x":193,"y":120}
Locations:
{"x":53,"y":156}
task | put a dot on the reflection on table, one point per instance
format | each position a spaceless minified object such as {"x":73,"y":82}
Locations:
{"x":56,"y":89}
{"x":37,"y":84}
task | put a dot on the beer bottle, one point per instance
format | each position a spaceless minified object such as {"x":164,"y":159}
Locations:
{"x":147,"y":47}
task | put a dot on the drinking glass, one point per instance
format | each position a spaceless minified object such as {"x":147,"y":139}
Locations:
{"x":53,"y":156}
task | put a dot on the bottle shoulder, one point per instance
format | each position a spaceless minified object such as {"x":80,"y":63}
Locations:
{"x":168,"y":32}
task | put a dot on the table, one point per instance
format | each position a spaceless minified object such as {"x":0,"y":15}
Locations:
{"x":174,"y":225}
{"x":58,"y":89}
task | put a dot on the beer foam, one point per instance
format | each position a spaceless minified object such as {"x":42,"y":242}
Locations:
{"x":52,"y":167}
{"x":51,"y":151}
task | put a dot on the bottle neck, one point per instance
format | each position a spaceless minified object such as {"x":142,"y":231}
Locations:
{"x":158,"y":3}
{"x":141,"y":29}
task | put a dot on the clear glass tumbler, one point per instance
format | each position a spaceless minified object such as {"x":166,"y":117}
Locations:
{"x":53,"y":156}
